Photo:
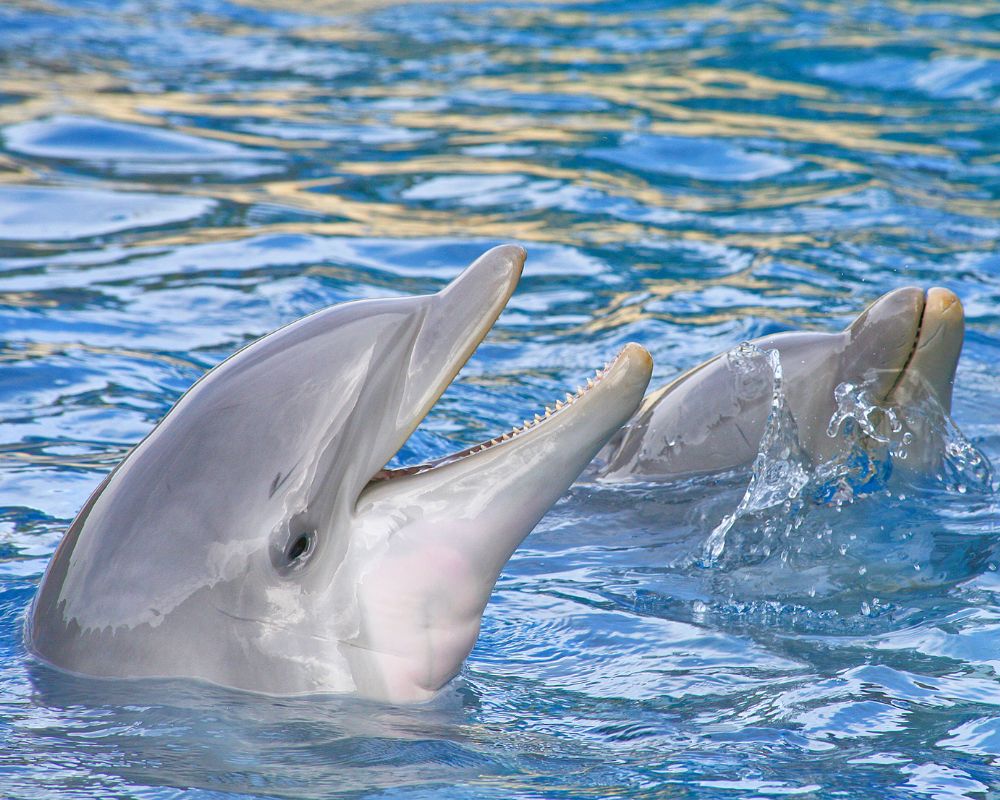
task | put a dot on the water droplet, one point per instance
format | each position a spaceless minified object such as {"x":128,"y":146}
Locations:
{"x":855,"y":408}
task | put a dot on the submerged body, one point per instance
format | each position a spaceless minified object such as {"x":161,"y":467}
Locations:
{"x":903,"y":349}
{"x":254,"y":541}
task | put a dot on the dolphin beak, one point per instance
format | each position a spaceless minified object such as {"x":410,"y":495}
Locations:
{"x":883,"y":337}
{"x":911,"y":341}
{"x":457,"y":319}
{"x":519,"y":475}
{"x":931,"y":367}
{"x":432,"y":539}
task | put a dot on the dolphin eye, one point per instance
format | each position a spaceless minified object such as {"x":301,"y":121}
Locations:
{"x":300,"y":546}
{"x":293,"y":544}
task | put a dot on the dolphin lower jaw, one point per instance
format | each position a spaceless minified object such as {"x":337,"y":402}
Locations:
{"x":556,"y":408}
{"x":432,"y":541}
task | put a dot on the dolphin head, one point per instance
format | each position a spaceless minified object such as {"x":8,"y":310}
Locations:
{"x":904,"y":345}
{"x":253,"y":539}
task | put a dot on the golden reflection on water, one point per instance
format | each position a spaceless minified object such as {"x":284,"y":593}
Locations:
{"x":672,"y":93}
{"x":34,"y":454}
{"x":630,"y":308}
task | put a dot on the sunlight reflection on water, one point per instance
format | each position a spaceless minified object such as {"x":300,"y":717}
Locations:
{"x":179,"y":178}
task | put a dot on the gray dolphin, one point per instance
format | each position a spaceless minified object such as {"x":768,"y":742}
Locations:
{"x":254,"y":540}
{"x":904,"y":348}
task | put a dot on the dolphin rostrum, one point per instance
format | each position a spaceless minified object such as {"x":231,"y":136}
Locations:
{"x":903,"y":349}
{"x":254,"y":540}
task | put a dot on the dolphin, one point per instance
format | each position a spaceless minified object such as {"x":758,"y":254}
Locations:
{"x":254,"y":540}
{"x":903,"y":349}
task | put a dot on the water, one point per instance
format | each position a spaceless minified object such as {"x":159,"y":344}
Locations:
{"x":177,"y":178}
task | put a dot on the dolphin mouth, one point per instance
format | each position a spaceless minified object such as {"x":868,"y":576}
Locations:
{"x":915,"y":346}
{"x":937,"y":344}
{"x":529,"y":427}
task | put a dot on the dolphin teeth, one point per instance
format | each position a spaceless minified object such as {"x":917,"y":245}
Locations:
{"x":549,"y":411}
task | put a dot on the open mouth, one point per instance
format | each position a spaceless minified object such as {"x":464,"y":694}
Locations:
{"x":557,"y":410}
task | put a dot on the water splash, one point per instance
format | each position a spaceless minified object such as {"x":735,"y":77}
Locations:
{"x":863,"y":428}
{"x":919,"y":442}
{"x":782,"y":468}
{"x":929,"y":445}
{"x":855,"y":411}
{"x":964,"y":467}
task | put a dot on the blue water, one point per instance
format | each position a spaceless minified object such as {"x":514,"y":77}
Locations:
{"x":178,"y":178}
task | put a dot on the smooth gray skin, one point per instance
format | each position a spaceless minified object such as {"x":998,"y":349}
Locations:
{"x":905,"y":346}
{"x":183,"y":562}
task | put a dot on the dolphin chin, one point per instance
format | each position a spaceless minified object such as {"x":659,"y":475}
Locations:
{"x":904,"y":348}
{"x":254,"y":539}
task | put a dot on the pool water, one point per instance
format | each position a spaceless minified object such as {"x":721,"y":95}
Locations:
{"x":180,"y":177}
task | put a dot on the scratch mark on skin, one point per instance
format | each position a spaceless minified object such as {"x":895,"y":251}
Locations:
{"x":279,"y":481}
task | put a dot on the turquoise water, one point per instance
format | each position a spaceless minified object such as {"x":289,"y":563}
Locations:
{"x":178,"y":178}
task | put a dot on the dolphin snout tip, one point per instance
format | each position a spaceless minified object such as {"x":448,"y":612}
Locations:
{"x":635,"y":364}
{"x":931,"y":368}
{"x":489,"y":281}
{"x":637,"y":356}
{"x":506,"y":260}
{"x":904,"y":300}
{"x":943,"y":303}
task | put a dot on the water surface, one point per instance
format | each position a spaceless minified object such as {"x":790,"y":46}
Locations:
{"x":178,"y":178}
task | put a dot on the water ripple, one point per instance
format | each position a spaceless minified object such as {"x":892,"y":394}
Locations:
{"x":178,"y":178}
